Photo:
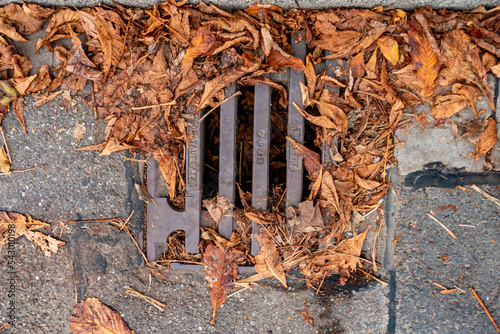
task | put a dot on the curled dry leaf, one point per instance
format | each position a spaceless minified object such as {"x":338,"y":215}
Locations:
{"x":221,"y":268}
{"x":312,"y":160}
{"x":92,"y":316}
{"x":367,"y":184}
{"x":47,"y":244}
{"x":448,"y":105}
{"x":268,"y":261}
{"x":309,"y":218}
{"x":217,"y":207}
{"x":487,"y":139}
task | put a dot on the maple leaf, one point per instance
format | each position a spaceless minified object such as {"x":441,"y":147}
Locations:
{"x":487,"y":139}
{"x":389,"y":48}
{"x":92,"y":316}
{"x":425,"y":57}
{"x":221,"y":268}
{"x":268,"y":261}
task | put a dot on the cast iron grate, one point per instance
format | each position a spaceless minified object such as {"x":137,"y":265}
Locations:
{"x":163,"y":219}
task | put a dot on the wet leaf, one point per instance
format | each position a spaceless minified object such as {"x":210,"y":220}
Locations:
{"x":425,"y":57}
{"x":389,"y":48}
{"x":92,"y":316}
{"x":221,"y":269}
{"x":487,"y":139}
{"x":268,"y":261}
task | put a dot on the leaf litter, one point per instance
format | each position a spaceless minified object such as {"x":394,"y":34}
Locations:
{"x":148,"y":66}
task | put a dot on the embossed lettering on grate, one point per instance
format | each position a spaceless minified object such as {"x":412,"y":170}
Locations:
{"x":163,"y":219}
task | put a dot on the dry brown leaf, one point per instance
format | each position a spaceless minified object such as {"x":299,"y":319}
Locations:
{"x":22,"y":66}
{"x":58,"y":27}
{"x":13,"y":224}
{"x":18,"y":107}
{"x":79,"y":64}
{"x":310,"y":74}
{"x":312,"y":160}
{"x":278,"y":59}
{"x":4,"y":161}
{"x":366,"y":184}
{"x":487,"y":139}
{"x":268,"y":261}
{"x":425,"y":57}
{"x":92,"y":316}
{"x":309,"y":218}
{"x":6,"y":62}
{"x":356,"y":47}
{"x":496,"y":70}
{"x":448,"y":105}
{"x":201,"y":43}
{"x":221,"y":269}
{"x":11,"y":32}
{"x":37,"y":11}
{"x":217,"y":207}
{"x":25,"y":23}
{"x":322,"y":121}
{"x":111,"y":44}
{"x":389,"y":48}
{"x":47,"y":244}
{"x":339,"y":40}
{"x":88,"y":23}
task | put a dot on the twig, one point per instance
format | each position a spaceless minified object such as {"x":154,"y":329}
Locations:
{"x":485,"y":194}
{"x":219,"y":104}
{"x":171,"y":103}
{"x":5,"y":143}
{"x":93,"y":100}
{"x":485,"y":309}
{"x":123,"y":225}
{"x":321,"y":284}
{"x":442,"y":225}
{"x":151,"y":301}
{"x":384,"y":283}
{"x":4,"y":325}
{"x":21,"y":171}
{"x":241,"y":290}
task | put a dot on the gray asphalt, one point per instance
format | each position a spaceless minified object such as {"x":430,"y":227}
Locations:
{"x":102,"y":262}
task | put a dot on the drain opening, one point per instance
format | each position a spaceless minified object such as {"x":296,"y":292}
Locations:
{"x":211,"y":155}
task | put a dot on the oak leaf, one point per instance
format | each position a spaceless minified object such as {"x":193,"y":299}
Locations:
{"x":268,"y":261}
{"x":221,"y":269}
{"x":93,"y":317}
{"x":389,"y":48}
{"x":487,"y":139}
{"x":425,"y":57}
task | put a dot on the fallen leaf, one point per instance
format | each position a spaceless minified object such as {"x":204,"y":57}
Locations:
{"x":7,"y":92}
{"x":366,"y":184}
{"x":111,"y":43}
{"x":217,"y":207}
{"x":389,"y":48}
{"x":79,"y":64}
{"x":268,"y":261}
{"x":4,"y":161}
{"x":487,"y":139}
{"x":221,"y":269}
{"x":13,"y":224}
{"x":448,"y":105}
{"x":11,"y":32}
{"x":92,"y":316}
{"x":312,"y":160}
{"x":310,"y":74}
{"x":25,"y":23}
{"x":79,"y":131}
{"x":46,"y":243}
{"x":201,"y":43}
{"x":309,"y":218}
{"x":143,"y":194}
{"x":425,"y":57}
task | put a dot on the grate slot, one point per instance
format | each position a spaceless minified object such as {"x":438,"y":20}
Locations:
{"x":261,"y":138}
{"x":294,"y":174}
{"x":227,"y":157}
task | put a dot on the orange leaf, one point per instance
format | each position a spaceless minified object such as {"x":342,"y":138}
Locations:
{"x":488,"y":138}
{"x":201,"y":43}
{"x":425,"y":58}
{"x":221,"y":268}
{"x":389,"y":48}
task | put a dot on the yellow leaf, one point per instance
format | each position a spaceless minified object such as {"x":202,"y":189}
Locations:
{"x":389,"y":48}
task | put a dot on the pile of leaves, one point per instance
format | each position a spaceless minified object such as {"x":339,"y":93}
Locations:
{"x":152,"y":70}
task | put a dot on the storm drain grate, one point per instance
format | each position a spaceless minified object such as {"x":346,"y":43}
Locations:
{"x":163,"y":219}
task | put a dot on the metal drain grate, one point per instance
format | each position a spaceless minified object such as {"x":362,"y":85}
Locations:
{"x":163,"y":219}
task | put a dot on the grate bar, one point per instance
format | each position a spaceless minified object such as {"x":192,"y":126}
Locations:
{"x":295,"y":167}
{"x":227,"y":157}
{"x":163,"y":219}
{"x":261,"y":139}
{"x":329,"y":149}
